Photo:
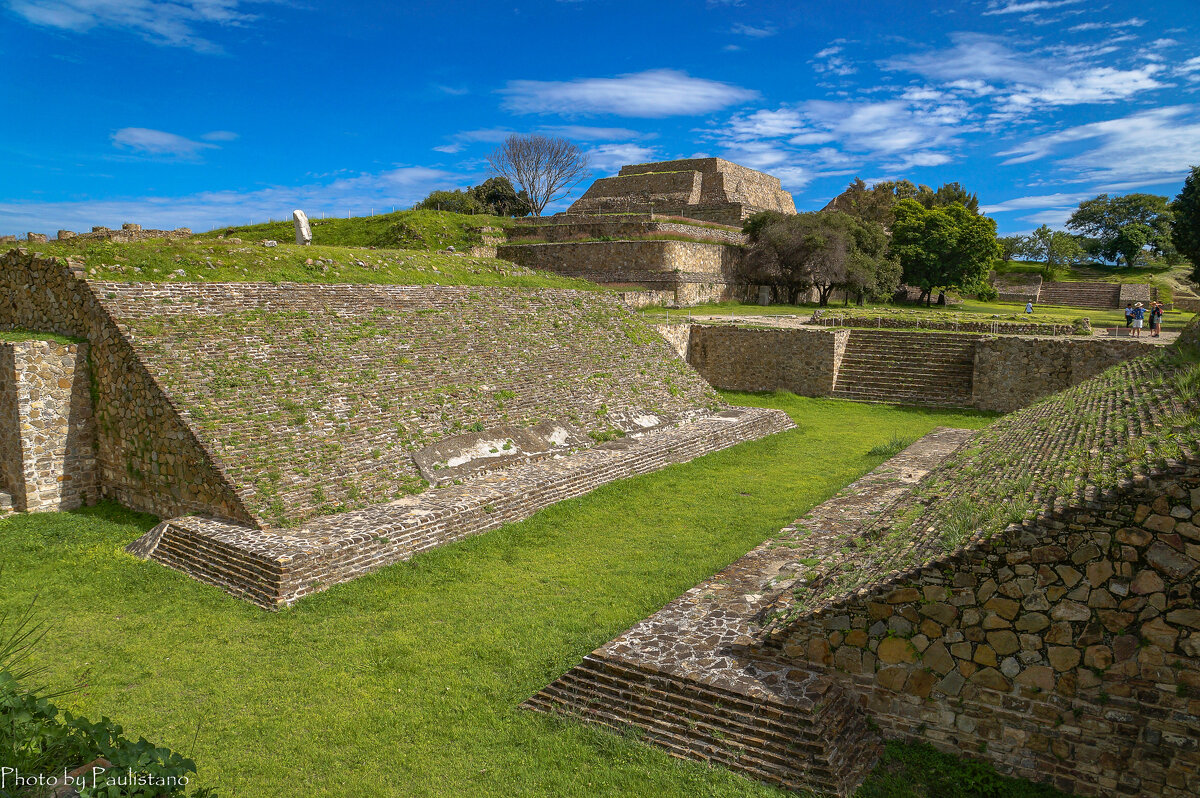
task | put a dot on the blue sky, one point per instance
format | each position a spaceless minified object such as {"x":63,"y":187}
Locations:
{"x":207,"y":112}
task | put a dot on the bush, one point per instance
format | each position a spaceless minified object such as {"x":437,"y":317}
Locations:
{"x":452,"y":201}
{"x":986,"y":292}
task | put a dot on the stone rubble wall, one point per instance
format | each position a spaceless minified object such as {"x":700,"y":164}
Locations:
{"x":1137,"y":292}
{"x":147,"y":457}
{"x":47,"y":446}
{"x":641,"y":191}
{"x":802,"y":361}
{"x":1011,"y":373}
{"x":1068,"y":650}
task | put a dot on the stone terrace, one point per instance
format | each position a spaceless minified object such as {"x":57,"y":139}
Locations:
{"x":1033,"y":600}
{"x":274,"y":568}
{"x":314,"y":399}
{"x":687,"y":678}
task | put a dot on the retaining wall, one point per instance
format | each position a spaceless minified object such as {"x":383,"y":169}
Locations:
{"x":1008,"y":373}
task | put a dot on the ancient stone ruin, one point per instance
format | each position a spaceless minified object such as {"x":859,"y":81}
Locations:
{"x":1027,"y":594}
{"x":667,"y":232}
{"x":706,"y":189}
{"x":290,"y":433}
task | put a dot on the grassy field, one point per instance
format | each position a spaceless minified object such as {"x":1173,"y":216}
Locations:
{"x":399,"y":230}
{"x":221,"y":260}
{"x":969,"y":310}
{"x":407,"y":682}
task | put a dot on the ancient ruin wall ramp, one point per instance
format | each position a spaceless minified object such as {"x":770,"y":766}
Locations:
{"x":314,"y":399}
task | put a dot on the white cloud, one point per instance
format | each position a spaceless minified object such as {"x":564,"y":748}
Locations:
{"x":401,"y":187}
{"x":1035,"y":202}
{"x":173,"y":23}
{"x":1025,"y":7}
{"x":586,"y":133}
{"x":611,"y":157}
{"x":1145,"y":148}
{"x":653,"y":94}
{"x":1132,"y":22}
{"x":159,"y":142}
{"x":759,"y":32}
{"x":830,"y":60}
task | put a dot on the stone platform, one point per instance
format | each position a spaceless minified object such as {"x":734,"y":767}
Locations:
{"x":276,"y":567}
{"x":694,"y":680}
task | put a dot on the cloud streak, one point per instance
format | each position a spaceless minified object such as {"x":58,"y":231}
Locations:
{"x":174,"y":24}
{"x":653,"y":94}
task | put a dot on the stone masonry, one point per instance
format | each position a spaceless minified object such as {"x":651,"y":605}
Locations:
{"x":708,"y":189}
{"x":47,"y":436}
{"x":1031,"y":597}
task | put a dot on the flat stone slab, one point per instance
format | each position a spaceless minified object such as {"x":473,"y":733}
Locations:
{"x":276,"y":567}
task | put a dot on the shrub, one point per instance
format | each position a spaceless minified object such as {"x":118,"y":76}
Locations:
{"x":452,"y":201}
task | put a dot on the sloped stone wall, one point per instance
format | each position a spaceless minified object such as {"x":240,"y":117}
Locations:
{"x":1067,"y":651}
{"x":147,"y":457}
{"x":12,"y":472}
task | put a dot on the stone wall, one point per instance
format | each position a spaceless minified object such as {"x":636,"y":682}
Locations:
{"x":565,"y":228}
{"x":47,"y":439}
{"x":1137,"y":292}
{"x":1008,"y":373}
{"x":725,"y":182}
{"x":1067,"y":651}
{"x":1013,"y":372}
{"x":804,"y":362}
{"x":641,"y":191}
{"x":147,"y":456}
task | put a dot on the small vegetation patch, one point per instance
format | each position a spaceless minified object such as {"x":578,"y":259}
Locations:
{"x":918,"y":770}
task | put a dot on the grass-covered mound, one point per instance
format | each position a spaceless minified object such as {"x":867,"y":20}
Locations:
{"x":409,"y":681}
{"x":219,"y":260}
{"x":430,"y":230}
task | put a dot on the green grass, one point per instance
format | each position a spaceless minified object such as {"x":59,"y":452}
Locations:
{"x":429,"y":230}
{"x":18,"y":336}
{"x":219,"y":260}
{"x":407,"y":682}
{"x":919,"y":771}
{"x":969,"y":311}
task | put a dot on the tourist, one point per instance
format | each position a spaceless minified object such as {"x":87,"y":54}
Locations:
{"x":1156,"y":311}
{"x":1128,"y":314}
{"x":1139,"y":315}
{"x":1029,"y":306}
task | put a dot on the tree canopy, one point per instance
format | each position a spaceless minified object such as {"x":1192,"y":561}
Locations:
{"x":942,"y":247}
{"x":1054,"y":248}
{"x":1185,"y":231}
{"x":545,"y":167}
{"x":494,"y":195}
{"x":1125,"y":226}
{"x":822,"y":251}
{"x":877,"y":203}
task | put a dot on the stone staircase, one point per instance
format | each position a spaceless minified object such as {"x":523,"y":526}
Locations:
{"x":907,"y":368}
{"x":1099,"y":296}
{"x":810,"y":735}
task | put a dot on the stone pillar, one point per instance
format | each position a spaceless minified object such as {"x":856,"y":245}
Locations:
{"x":47,"y":451}
{"x":303,"y":230}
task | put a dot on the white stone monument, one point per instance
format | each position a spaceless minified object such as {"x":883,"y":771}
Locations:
{"x":303,"y":231}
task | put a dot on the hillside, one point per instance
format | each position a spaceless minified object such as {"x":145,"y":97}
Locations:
{"x":212,"y":259}
{"x":430,"y":230}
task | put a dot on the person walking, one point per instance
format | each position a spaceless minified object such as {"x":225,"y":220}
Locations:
{"x":1139,"y":316}
{"x":1128,"y":314}
{"x":1156,"y":311}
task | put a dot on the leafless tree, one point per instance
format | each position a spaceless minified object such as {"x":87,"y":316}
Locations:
{"x":545,"y":167}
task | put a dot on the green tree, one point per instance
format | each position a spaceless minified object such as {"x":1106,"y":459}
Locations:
{"x":943,"y":247}
{"x":1125,"y":226}
{"x":1185,"y":229}
{"x":1011,"y":246}
{"x":1055,"y":249}
{"x":822,"y":251}
{"x":878,"y":203}
{"x":452,"y":201}
{"x":499,"y":198}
